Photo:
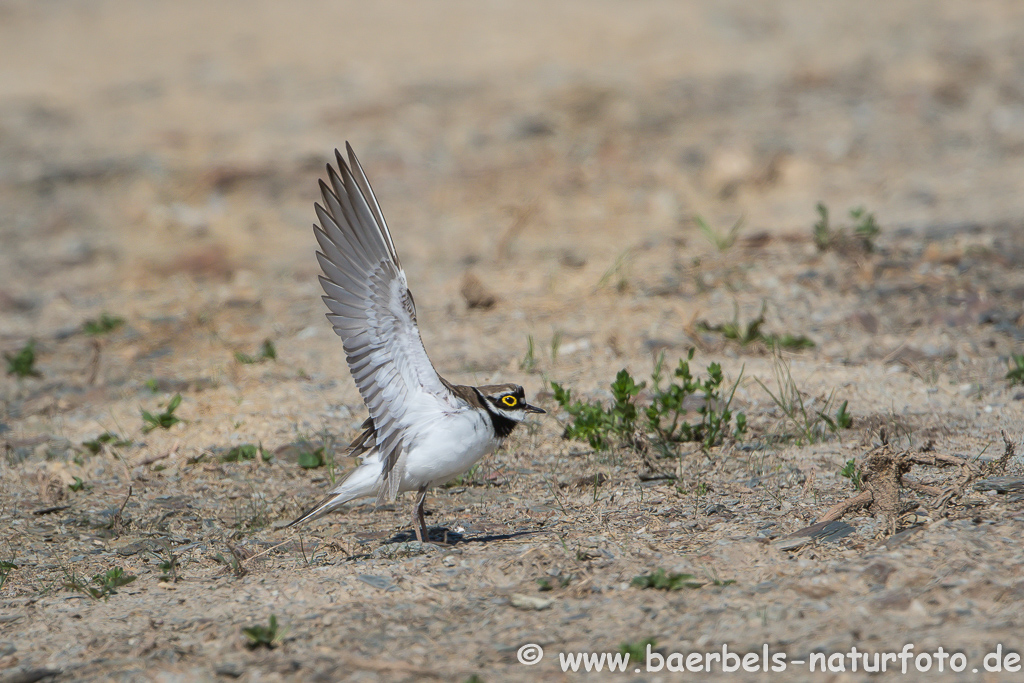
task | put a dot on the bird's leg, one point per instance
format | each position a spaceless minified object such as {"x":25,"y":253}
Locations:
{"x":420,"y":522}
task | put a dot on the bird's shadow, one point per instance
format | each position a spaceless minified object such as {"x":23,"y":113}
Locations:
{"x":440,"y":535}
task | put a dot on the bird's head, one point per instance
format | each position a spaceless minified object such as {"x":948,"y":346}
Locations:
{"x":509,"y":400}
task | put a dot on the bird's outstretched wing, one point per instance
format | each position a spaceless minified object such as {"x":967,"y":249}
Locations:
{"x":373,"y":312}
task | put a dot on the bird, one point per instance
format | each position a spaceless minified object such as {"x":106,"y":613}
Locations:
{"x":422,"y":430}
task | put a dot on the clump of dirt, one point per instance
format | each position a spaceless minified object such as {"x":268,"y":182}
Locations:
{"x":882,"y":476}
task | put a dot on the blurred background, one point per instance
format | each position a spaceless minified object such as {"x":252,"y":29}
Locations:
{"x":160,"y":159}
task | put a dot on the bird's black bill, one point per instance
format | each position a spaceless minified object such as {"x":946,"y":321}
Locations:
{"x":533,"y":409}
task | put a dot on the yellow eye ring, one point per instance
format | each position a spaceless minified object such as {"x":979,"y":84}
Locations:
{"x":510,"y":401}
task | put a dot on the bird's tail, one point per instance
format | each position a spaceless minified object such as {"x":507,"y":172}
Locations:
{"x":364,"y":481}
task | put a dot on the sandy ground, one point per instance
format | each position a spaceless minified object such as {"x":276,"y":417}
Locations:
{"x":158,"y":162}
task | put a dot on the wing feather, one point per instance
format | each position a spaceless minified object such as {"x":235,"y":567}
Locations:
{"x":372,"y":310}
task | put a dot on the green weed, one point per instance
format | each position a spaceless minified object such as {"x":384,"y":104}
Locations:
{"x":751,"y":332}
{"x":556,"y":345}
{"x":168,"y":566}
{"x":865,"y":230}
{"x":164,"y":420}
{"x":618,"y":274}
{"x":843,"y":419}
{"x":823,"y":236}
{"x":659,"y":579}
{"x":721,"y":240}
{"x":529,"y":361}
{"x":802,"y":421}
{"x":103,"y":325}
{"x":5,"y":570}
{"x":637,"y":650}
{"x":663,"y":418}
{"x":309,"y":460}
{"x":253,"y":516}
{"x":464,"y":479}
{"x":244,"y":452}
{"x":267,"y":352}
{"x":102,"y":585}
{"x":96,"y":445}
{"x":268,"y":636}
{"x":23,"y":363}
{"x":545,"y":584}
{"x":865,"y":227}
{"x":852,"y":472}
{"x":593,"y":423}
{"x":233,"y":561}
{"x":665,"y":415}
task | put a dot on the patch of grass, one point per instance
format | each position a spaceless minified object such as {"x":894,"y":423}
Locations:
{"x":152,"y":384}
{"x":865,"y":230}
{"x":246,"y":451}
{"x":721,"y":240}
{"x":556,"y":345}
{"x":1016,"y":373}
{"x":843,"y":419}
{"x":618,"y":274}
{"x":164,"y":420}
{"x":529,"y":361}
{"x":96,"y":445}
{"x":852,"y":472}
{"x":102,"y":585}
{"x":715,"y":581}
{"x":464,"y":479}
{"x":599,"y":426}
{"x":865,"y":227}
{"x":664,"y":417}
{"x":23,"y":363}
{"x":105,"y":324}
{"x":309,"y":460}
{"x":751,"y":332}
{"x":253,"y":516}
{"x":168,"y":566}
{"x":659,"y":579}
{"x":802,"y":420}
{"x":232,"y":561}
{"x":5,"y":570}
{"x":822,"y":231}
{"x":547,"y":583}
{"x":268,"y":636}
{"x":267,"y":352}
{"x":79,"y":485}
{"x":637,"y":650}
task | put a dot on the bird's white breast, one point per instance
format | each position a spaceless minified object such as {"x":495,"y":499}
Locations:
{"x":446,"y":447}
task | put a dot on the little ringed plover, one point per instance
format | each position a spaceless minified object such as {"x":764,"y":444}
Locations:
{"x":422,"y":430}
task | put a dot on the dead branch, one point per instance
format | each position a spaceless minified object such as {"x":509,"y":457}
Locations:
{"x":160,"y":456}
{"x":1008,"y":452}
{"x":862,"y":499}
{"x":926,"y":489}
